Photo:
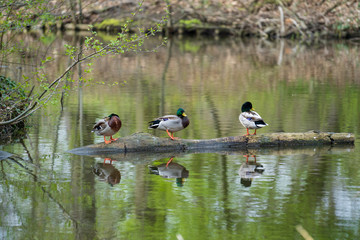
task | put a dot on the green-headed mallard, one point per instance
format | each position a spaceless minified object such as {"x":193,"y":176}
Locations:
{"x":171,"y":123}
{"x":250,"y":119}
{"x":108,"y":126}
{"x":171,"y":170}
{"x":250,"y":170}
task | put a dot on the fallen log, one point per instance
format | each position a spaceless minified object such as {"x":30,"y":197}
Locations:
{"x":145,"y":142}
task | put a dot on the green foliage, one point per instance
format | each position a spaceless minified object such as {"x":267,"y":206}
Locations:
{"x":190,"y":23}
{"x":109,"y":23}
{"x":47,"y":39}
{"x":342,"y":26}
{"x":17,"y":16}
{"x":13,"y":100}
{"x":190,"y":46}
{"x":10,"y":90}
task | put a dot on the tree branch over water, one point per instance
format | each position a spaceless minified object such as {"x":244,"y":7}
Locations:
{"x":91,"y":49}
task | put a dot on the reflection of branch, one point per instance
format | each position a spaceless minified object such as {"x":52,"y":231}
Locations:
{"x":303,"y":232}
{"x":281,"y":52}
{"x":61,"y":207}
{"x":24,"y":167}
{"x":7,"y":187}
{"x":214,"y":113}
{"x":27,"y":170}
{"x":163,"y":77}
{"x":26,"y":150}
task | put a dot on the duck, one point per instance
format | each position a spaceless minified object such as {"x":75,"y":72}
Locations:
{"x":250,"y":119}
{"x":250,"y":170}
{"x":108,"y":126}
{"x":171,"y":170}
{"x":107,"y":172}
{"x":171,"y":123}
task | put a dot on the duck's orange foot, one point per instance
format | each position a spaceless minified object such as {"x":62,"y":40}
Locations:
{"x":171,"y":135}
{"x":167,"y":164}
{"x":113,"y":139}
{"x":247,"y":132}
{"x":107,"y":141}
{"x":108,"y":161}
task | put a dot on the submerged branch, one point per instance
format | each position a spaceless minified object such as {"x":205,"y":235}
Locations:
{"x":30,"y":172}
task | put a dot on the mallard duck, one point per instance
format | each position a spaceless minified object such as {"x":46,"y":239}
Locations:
{"x":250,"y":170}
{"x":171,"y":123}
{"x":107,"y":172}
{"x":108,"y":126}
{"x":250,"y":119}
{"x":171,"y":170}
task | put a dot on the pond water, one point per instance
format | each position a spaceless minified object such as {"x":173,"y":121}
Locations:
{"x":47,"y":193}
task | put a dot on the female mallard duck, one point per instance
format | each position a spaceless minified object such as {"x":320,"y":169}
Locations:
{"x":250,"y":119}
{"x":107,"y":172}
{"x":171,"y":123}
{"x":108,"y":126}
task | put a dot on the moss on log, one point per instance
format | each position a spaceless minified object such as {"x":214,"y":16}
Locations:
{"x":145,"y":142}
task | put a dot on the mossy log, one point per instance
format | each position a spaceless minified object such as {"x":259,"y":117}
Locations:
{"x":145,"y":142}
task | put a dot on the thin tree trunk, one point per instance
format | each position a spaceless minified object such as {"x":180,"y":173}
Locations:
{"x":72,"y":5}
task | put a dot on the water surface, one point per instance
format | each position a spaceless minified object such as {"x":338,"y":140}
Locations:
{"x":47,"y":193}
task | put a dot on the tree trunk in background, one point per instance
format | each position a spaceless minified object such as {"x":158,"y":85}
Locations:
{"x":72,"y":5}
{"x":80,"y":12}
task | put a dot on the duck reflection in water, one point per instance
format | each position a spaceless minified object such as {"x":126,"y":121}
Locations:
{"x":250,"y":170}
{"x":171,"y":170}
{"x":107,"y":172}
